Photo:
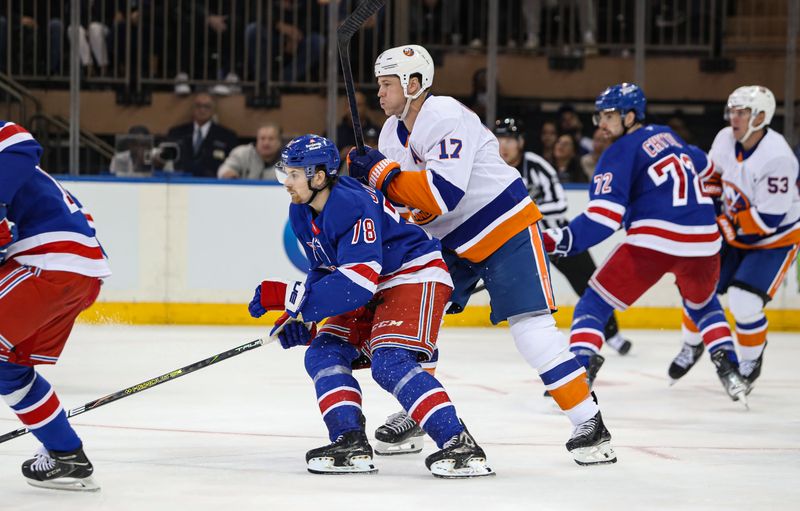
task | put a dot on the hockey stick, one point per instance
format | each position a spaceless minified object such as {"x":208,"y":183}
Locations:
{"x":344,"y":33}
{"x":149,"y":384}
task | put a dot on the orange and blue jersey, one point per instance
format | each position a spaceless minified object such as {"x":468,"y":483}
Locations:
{"x":453,"y":180}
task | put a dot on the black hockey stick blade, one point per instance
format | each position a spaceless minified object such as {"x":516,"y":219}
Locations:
{"x":344,"y":33}
{"x":149,"y":384}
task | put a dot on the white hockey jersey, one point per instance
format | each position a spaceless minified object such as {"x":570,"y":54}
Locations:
{"x":760,"y":189}
{"x":454,"y":181}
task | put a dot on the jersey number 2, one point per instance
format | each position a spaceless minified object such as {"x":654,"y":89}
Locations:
{"x":681,"y":170}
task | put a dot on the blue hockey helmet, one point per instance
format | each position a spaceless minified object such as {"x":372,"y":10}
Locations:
{"x":622,"y":97}
{"x":309,"y":152}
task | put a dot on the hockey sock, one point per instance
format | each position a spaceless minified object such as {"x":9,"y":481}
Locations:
{"x":328,"y":361}
{"x":421,"y":395}
{"x":545,"y":349}
{"x":751,"y":323}
{"x":713,"y":327}
{"x":691,"y":334}
{"x":588,"y":323}
{"x":36,"y":404}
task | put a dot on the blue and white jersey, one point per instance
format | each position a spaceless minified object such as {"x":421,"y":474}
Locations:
{"x":647,"y":182}
{"x":55,"y":231}
{"x":359,"y":245}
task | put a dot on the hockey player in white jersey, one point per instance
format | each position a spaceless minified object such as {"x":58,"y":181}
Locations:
{"x":757,"y":176}
{"x":437,"y":159}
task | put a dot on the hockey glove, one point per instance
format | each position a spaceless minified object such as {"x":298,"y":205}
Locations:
{"x":8,"y":232}
{"x":293,"y":332}
{"x":712,"y":185}
{"x":727,"y":228}
{"x":557,"y":242}
{"x":275,"y":295}
{"x":372,"y":168}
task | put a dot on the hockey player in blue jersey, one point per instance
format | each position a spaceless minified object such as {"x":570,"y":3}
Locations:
{"x":647,"y":182}
{"x":51,"y":269}
{"x":382,"y":285}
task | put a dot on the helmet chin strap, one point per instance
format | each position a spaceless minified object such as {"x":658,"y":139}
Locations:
{"x":315,"y":191}
{"x":409,"y":99}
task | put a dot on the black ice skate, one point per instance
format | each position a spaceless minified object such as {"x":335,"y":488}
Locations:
{"x":349,"y":454}
{"x":461,"y":456}
{"x":399,"y":435}
{"x":591,"y":443}
{"x":751,"y":369}
{"x":591,"y":361}
{"x":60,"y":470}
{"x":620,"y":344}
{"x":733,"y":382}
{"x":684,"y":361}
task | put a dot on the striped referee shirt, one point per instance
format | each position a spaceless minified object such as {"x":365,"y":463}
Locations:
{"x":543,"y":185}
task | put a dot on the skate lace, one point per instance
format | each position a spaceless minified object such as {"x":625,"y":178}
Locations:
{"x":585,"y":428}
{"x":42,"y":461}
{"x":686,"y":357}
{"x":746,"y":367}
{"x":399,"y":422}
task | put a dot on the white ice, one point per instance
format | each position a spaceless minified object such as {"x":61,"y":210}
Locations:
{"x":233,"y":436}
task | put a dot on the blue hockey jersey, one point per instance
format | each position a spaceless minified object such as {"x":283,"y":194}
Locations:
{"x":647,"y":182}
{"x":357,"y":246}
{"x":55,"y":232}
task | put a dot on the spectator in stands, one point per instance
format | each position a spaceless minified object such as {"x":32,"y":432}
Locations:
{"x":589,"y":160}
{"x":203,"y":143}
{"x":133,"y":158}
{"x":256,"y":160}
{"x":295,"y":45}
{"x":345,"y":138}
{"x":3,"y":38}
{"x":207,"y":41}
{"x":93,"y":32}
{"x":548,"y":134}
{"x":566,"y":161}
{"x":678,"y":125}
{"x":569,"y":122}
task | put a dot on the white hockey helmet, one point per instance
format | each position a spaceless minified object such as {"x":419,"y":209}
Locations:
{"x":758,"y":99}
{"x":403,"y":62}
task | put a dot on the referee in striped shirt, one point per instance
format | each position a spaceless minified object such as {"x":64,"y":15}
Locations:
{"x":545,"y":189}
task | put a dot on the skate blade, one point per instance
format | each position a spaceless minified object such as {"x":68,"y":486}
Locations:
{"x":358,"y":465}
{"x":600,"y":454}
{"x":476,"y":467}
{"x":411,"y":446}
{"x":67,"y":483}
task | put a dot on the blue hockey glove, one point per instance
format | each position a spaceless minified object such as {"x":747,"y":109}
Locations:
{"x":292,"y":331}
{"x":557,"y":242}
{"x":256,"y":309}
{"x":372,"y":168}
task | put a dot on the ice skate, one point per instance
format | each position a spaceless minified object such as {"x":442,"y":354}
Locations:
{"x":60,"y":470}
{"x":733,"y":382}
{"x":399,"y":435}
{"x":684,"y":361}
{"x":349,"y":454}
{"x":592,"y":362}
{"x":591,"y":443}
{"x":620,"y":344}
{"x":751,"y":370}
{"x":461,"y":456}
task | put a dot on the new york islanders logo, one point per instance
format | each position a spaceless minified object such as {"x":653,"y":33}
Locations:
{"x":735,"y":199}
{"x":408,"y":52}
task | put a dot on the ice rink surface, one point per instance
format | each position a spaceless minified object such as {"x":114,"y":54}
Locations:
{"x":233,"y":436}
